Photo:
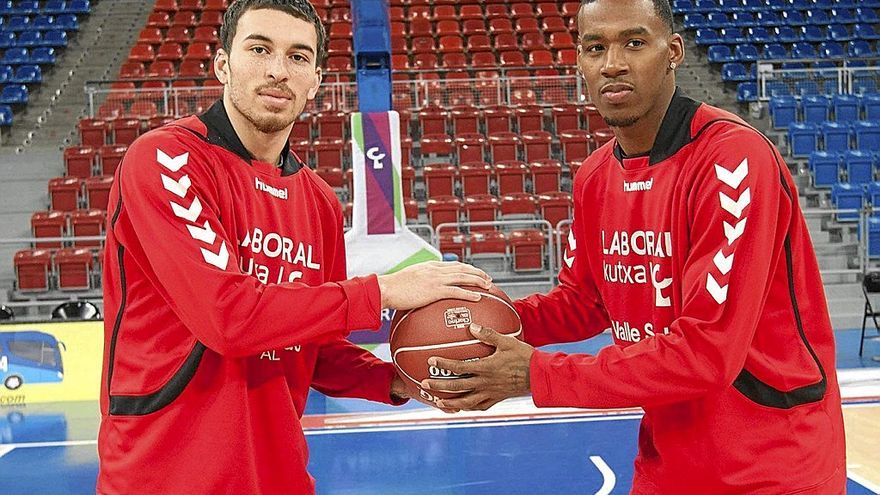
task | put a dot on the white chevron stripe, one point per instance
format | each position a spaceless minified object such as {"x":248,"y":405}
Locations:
{"x":220,"y":260}
{"x":172,"y":164}
{"x":178,"y":188}
{"x":718,"y":293}
{"x":735,"y":178}
{"x":736,"y":208}
{"x":723,"y":263}
{"x":734,"y":232}
{"x":190,"y":214}
{"x":205,"y":235}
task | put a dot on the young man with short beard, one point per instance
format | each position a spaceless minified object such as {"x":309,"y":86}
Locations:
{"x":225,"y":283}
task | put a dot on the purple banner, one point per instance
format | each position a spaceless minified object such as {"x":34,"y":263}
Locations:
{"x":379,"y":173}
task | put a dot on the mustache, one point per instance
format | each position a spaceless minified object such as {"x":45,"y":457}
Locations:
{"x":277,"y":87}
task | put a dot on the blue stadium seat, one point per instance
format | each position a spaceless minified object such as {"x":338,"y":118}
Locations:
{"x":30,"y":39}
{"x":794,"y":70}
{"x":793,"y":18}
{"x":816,"y":108}
{"x":15,"y":56}
{"x":694,"y":21}
{"x":818,"y":17}
{"x":779,"y":5}
{"x":836,"y":136}
{"x":718,"y":20}
{"x":787,"y":34}
{"x":846,"y":108}
{"x":823,"y":4}
{"x":831,"y":49}
{"x":55,"y":39}
{"x":859,"y":166}
{"x":743,"y":19}
{"x":746,"y":92}
{"x":27,"y":7}
{"x":777,"y":88}
{"x":871,"y":106}
{"x":54,"y":7}
{"x":6,"y":7}
{"x":802,"y":138}
{"x":67,"y":22}
{"x":705,"y":6}
{"x":682,"y":6}
{"x":783,"y":111}
{"x":867,"y":135}
{"x":758,"y":34}
{"x":16,"y":94}
{"x":865,"y":32}
{"x":6,"y":117}
{"x":845,"y":16}
{"x":707,"y":37}
{"x":767,"y":18}
{"x":825,"y":168}
{"x":847,"y":197}
{"x":735,"y":71}
{"x":8,"y":40}
{"x":80,"y":7}
{"x":868,"y":15}
{"x":859,"y":48}
{"x":732,"y":35}
{"x":813,"y":34}
{"x":864,"y":84}
{"x":28,"y":74}
{"x":807,"y":87}
{"x":753,"y":5}
{"x":43,"y":23}
{"x":44,"y":55}
{"x":6,"y":73}
{"x":873,"y":237}
{"x":839,"y":32}
{"x":774,"y":51}
{"x":746,"y":53}
{"x":720,"y":54}
{"x":17,"y":23}
{"x":730,"y":5}
{"x":803,"y":50}
{"x":872,"y":194}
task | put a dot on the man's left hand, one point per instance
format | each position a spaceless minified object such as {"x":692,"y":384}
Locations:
{"x":492,"y":379}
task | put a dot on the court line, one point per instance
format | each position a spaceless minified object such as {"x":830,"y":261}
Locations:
{"x":609,"y":480}
{"x":874,"y":487}
{"x":5,"y":449}
{"x":64,"y":443}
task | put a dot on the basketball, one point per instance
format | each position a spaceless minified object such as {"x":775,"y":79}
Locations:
{"x":442,"y":329}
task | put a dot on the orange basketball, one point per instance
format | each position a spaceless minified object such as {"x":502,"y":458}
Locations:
{"x":442,"y":329}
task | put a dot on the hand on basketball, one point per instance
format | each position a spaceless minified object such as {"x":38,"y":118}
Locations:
{"x":502,"y":375}
{"x":419,"y":285}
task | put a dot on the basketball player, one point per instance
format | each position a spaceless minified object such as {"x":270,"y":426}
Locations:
{"x":689,"y":244}
{"x":225,"y":282}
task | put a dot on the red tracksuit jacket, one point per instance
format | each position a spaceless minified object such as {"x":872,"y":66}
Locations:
{"x":698,"y":259}
{"x":226,"y":298}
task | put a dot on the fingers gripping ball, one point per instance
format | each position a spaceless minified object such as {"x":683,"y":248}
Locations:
{"x":441,"y":329}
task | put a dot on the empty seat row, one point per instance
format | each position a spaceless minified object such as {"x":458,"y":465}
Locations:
{"x":31,"y":39}
{"x":708,"y":6}
{"x":522,"y":250}
{"x":853,"y":167}
{"x":785,"y":110}
{"x":61,"y":224}
{"x":42,"y":270}
{"x":20,"y":23}
{"x":785,"y":34}
{"x":29,"y":7}
{"x":74,"y":193}
{"x":745,"y":52}
{"x":803,"y":137}
{"x":770,"y":18}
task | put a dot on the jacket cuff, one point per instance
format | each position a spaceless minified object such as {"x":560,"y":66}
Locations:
{"x":364,"y":301}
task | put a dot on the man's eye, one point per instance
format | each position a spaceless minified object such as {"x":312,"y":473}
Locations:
{"x":259,"y":50}
{"x":636,"y":43}
{"x":594,"y":48}
{"x":299,"y":58}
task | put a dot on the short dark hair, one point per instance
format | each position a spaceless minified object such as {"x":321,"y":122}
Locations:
{"x":301,"y":9}
{"x":661,"y":7}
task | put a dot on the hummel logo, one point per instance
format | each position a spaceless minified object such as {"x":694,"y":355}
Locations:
{"x":272,"y":191}
{"x":636,"y":186}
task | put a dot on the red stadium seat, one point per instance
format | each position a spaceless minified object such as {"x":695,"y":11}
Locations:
{"x":398,"y":29}
{"x":602,"y":136}
{"x":398,"y":46}
{"x":98,"y":191}
{"x":185,"y":18}
{"x":497,"y":11}
{"x":211,"y":18}
{"x":32,"y":270}
{"x":481,"y":208}
{"x":433,"y":120}
{"x":400,"y":62}
{"x":340,"y":30}
{"x":452,"y":242}
{"x":192,"y":68}
{"x":419,"y":12}
{"x":215,"y":5}
{"x":420,"y":27}
{"x":150,"y":36}
{"x":125,"y":130}
{"x":476,"y":178}
{"x":498,"y":119}
{"x":567,"y":58}
{"x":74,"y":268}
{"x":484,"y":60}
{"x":554,"y":25}
{"x":338,"y":14}
{"x":165,"y":6}
{"x":528,"y":25}
{"x":195,"y":5}
{"x":541,"y":58}
{"x":436,"y":144}
{"x":170,"y":51}
{"x":161,"y":69}
{"x":534,"y":41}
{"x":178,"y":34}
{"x":424,"y":44}
{"x":110,"y":157}
{"x":425,"y":61}
{"x":504,"y":146}
{"x":573,"y":168}
{"x":331,"y":175}
{"x":79,"y":161}
{"x":411,"y":209}
{"x":520,"y":10}
{"x":519,"y":205}
{"x":396,"y":14}
{"x":576,"y":145}
{"x":199,"y":50}
{"x":331,"y":124}
{"x":64,"y":193}
{"x":408,"y":180}
{"x":471,"y":11}
{"x":141,"y":53}
{"x":537,"y":145}
{"x":92,"y":132}
{"x":439,"y":179}
{"x":405,"y":150}
{"x":561,"y":41}
{"x":472,"y":27}
{"x":159,"y":20}
{"x":512,"y":59}
{"x":340,"y":47}
{"x":448,"y":27}
{"x":444,"y":12}
{"x":546,"y":175}
{"x":443,"y":209}
{"x":511,"y":176}
{"x":465,"y":120}
{"x":470,"y":147}
{"x":530,"y":118}
{"x":527,"y":248}
{"x":87,"y":223}
{"x":454,"y":61}
{"x":547,"y":9}
{"x":570,"y":9}
{"x":479,"y":43}
{"x":506,"y":42}
{"x":492,"y":243}
{"x":500,"y":25}
{"x":594,"y":120}
{"x":48,"y":224}
{"x":566,"y":117}
{"x":328,"y":152}
{"x":132,"y":70}
{"x":206,"y":34}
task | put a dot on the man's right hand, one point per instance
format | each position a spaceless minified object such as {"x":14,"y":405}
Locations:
{"x":419,"y":285}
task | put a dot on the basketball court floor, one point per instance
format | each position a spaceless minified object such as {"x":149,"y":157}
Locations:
{"x":359,"y":448}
